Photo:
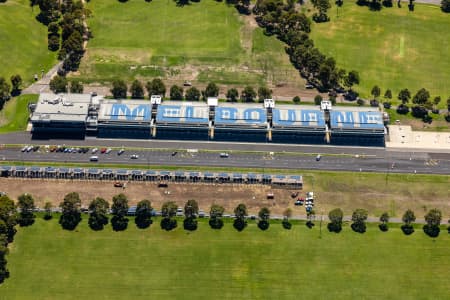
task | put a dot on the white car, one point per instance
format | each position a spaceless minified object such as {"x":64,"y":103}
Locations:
{"x":134,"y":156}
{"x":108,"y":151}
{"x":94,"y":150}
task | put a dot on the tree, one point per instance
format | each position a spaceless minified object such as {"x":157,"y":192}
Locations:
{"x":232,"y":95}
{"x":190,"y":214}
{"x":16,"y":82}
{"x":48,"y":211}
{"x":53,"y":43}
{"x":296,"y":99}
{"x":287,"y":214}
{"x":376,"y":91}
{"x":58,"y":84}
{"x":26,"y":206}
{"x":176,"y":92}
{"x":76,"y":87}
{"x":119,"y":89}
{"x":212,"y":90}
{"x":71,"y":214}
{"x":192,"y":94}
{"x":264,"y":93}
{"x":351,"y":79}
{"x":168,"y":211}
{"x":98,"y":213}
{"x":4,"y":92}
{"x":384,"y":219}
{"x":137,"y":90}
{"x":436,"y":102}
{"x":53,"y":28}
{"x":156,"y":87}
{"x":318,"y":99}
{"x":404,"y":96}
{"x":264,"y":216}
{"x":248,"y":94}
{"x":433,"y":219}
{"x":388,"y":94}
{"x":336,"y":216}
{"x":215,"y":214}
{"x":421,"y":97}
{"x":240,"y":213}
{"x":359,"y":218}
{"x":445,"y":6}
{"x":8,"y":219}
{"x":322,"y":6}
{"x":408,"y":218}
{"x":143,"y":214}
{"x":119,"y":210}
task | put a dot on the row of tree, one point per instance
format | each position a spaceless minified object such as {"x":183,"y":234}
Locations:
{"x":292,"y":27}
{"x":119,"y":90}
{"x":66,"y":29}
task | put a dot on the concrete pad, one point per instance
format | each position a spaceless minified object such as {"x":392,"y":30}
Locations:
{"x":402,"y":136}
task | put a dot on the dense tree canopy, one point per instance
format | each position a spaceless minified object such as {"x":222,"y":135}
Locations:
{"x":168,"y":211}
{"x":248,"y":94}
{"x":336,"y":216}
{"x":264,"y":216}
{"x":156,"y":87}
{"x":137,"y":90}
{"x":71,"y":214}
{"x":176,"y":92}
{"x":119,"y":89}
{"x":359,"y":218}
{"x":232,"y":95}
{"x":76,"y":87}
{"x":192,"y":94}
{"x":98,"y":213}
{"x":143,"y":214}
{"x":433,"y":219}
{"x":212,"y":90}
{"x":26,"y":206}
{"x":215,"y":214}
{"x":240,"y":212}
{"x":58,"y":84}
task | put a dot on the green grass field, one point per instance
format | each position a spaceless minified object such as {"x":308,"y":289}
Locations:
{"x":23,"y":41}
{"x":14,"y":115}
{"x":392,"y":48}
{"x":47,"y":262}
{"x":205,"y":41}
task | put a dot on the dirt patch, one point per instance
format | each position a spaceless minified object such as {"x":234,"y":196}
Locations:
{"x":227,"y":195}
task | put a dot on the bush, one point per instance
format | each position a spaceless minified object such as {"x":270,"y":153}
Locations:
{"x":419,"y":111}
{"x":190,"y":224}
{"x":70,"y":221}
{"x":48,"y":217}
{"x":387,"y":105}
{"x":359,"y":227}
{"x":143,"y":222}
{"x":296,"y":99}
{"x":239,"y":224}
{"x":334,"y":227}
{"x":97,"y":221}
{"x":287,"y":225}
{"x":168,"y":224}
{"x":310,"y":224}
{"x":431,"y":230}
{"x":216,"y":223}
{"x":317,"y":99}
{"x":360,"y":102}
{"x":427,"y":119}
{"x":119,"y":223}
{"x":447,"y":118}
{"x":374,"y":103}
{"x":407,"y":229}
{"x":383,"y":227}
{"x":263,"y":225}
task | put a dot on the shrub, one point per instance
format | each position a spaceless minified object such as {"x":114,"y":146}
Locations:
{"x":407,"y":229}
{"x":334,"y":227}
{"x":296,"y":99}
{"x":447,"y":118}
{"x":402,"y":109}
{"x":119,"y":223}
{"x":317,"y":99}
{"x":387,"y":105}
{"x":374,"y":103}
{"x":310,"y":224}
{"x":427,"y":119}
{"x":359,"y":227}
{"x":360,"y":102}
{"x":419,"y":111}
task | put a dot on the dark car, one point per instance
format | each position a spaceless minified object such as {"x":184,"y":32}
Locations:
{"x":174,"y":153}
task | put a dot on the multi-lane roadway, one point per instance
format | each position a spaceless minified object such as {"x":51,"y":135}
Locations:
{"x":358,"y":161}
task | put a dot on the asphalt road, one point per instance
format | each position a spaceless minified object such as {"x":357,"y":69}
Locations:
{"x":419,"y":163}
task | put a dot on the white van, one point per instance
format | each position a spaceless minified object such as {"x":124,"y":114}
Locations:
{"x":93,"y":158}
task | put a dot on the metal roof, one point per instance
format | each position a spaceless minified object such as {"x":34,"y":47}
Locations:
{"x":62,"y":107}
{"x":297,"y":117}
{"x":186,"y":113}
{"x":125,"y":110}
{"x":238,"y":115}
{"x":348,"y":119}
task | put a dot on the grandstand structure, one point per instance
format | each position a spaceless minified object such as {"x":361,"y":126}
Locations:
{"x":77,"y":115}
{"x":78,"y":173}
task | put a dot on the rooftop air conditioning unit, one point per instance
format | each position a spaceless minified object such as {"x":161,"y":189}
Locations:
{"x":155,"y":99}
{"x":325,"y":105}
{"x":269,"y":103}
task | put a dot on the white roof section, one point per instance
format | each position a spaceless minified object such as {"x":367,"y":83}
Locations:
{"x":213,"y":101}
{"x":62,"y":107}
{"x":125,"y":110}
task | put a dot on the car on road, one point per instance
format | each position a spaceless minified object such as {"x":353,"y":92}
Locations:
{"x":94,"y":150}
{"x":36,"y":148}
{"x":93,"y":158}
{"x":103,"y":150}
{"x":174,"y":153}
{"x":24,"y":149}
{"x":224,"y":155}
{"x":118,"y":184}
{"x":120,"y":152}
{"x":318,"y":157}
{"x":134,"y":156}
{"x":108,"y":151}
{"x":29,"y":148}
{"x":179,"y":211}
